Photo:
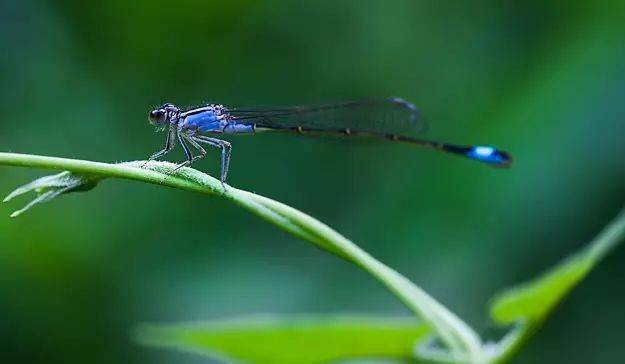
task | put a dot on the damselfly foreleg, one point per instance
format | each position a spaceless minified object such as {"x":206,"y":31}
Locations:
{"x":170,"y":142}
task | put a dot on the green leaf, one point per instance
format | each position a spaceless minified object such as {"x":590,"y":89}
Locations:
{"x":528,"y":305}
{"x":50,"y":187}
{"x":532,"y":301}
{"x":267,"y":339}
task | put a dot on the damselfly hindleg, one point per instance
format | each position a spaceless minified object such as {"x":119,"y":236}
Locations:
{"x":225,"y":147}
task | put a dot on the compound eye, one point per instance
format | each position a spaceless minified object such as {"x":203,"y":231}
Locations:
{"x":157,"y":116}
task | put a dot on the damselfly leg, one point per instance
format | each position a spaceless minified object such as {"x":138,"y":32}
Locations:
{"x":226,"y":149}
{"x":187,"y":152}
{"x":195,"y":141}
{"x":169,"y":146}
{"x":183,"y":138}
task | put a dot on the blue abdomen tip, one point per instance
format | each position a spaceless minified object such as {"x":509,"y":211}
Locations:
{"x":489,"y":155}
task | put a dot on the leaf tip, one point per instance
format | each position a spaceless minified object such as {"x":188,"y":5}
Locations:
{"x":11,"y":195}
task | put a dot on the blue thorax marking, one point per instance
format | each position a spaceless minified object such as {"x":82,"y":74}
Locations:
{"x":212,"y":119}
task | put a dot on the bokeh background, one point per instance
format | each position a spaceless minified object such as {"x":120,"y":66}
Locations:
{"x":544,"y":80}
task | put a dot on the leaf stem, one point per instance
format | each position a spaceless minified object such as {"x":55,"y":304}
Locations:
{"x":464,"y":344}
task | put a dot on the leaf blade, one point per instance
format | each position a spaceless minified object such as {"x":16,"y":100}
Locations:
{"x":528,"y":305}
{"x":291,"y":340}
{"x":533,"y":300}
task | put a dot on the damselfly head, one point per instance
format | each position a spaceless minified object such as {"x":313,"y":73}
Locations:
{"x":167,"y":113}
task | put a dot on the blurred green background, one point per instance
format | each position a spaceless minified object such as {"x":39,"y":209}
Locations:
{"x":543,"y":80}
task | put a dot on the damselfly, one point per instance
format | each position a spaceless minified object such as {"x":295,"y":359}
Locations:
{"x":391,"y":119}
